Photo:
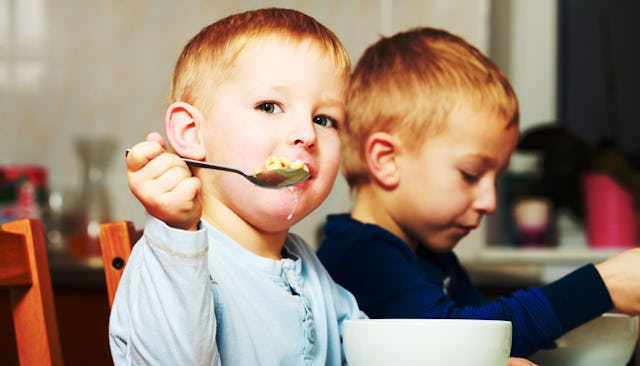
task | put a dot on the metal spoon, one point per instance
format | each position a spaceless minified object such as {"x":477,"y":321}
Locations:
{"x":274,"y":178}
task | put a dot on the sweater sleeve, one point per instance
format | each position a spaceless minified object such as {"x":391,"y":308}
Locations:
{"x":163,"y":310}
{"x":578,"y":297}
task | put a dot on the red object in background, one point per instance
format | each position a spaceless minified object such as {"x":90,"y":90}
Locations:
{"x":611,"y":218}
{"x":23,"y":191}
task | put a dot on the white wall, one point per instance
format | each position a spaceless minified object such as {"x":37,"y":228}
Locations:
{"x":523,"y":43}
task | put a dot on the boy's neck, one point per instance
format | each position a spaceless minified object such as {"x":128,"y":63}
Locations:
{"x":268,"y":245}
{"x":370,"y":208}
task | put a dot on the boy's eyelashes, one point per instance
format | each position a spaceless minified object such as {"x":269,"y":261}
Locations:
{"x":269,"y":107}
{"x":470,"y":177}
{"x":325,"y":121}
{"x":474,"y":178}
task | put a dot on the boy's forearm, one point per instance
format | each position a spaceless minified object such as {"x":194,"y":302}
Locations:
{"x":169,"y":299}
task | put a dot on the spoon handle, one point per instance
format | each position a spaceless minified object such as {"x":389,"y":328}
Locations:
{"x":203,"y":164}
{"x":275,"y":178}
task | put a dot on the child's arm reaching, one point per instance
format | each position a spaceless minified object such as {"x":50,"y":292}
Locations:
{"x":163,"y":183}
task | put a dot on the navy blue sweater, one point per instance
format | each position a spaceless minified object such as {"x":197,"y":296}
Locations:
{"x":391,"y":281}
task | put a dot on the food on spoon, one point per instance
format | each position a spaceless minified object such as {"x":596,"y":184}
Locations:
{"x":280,"y":162}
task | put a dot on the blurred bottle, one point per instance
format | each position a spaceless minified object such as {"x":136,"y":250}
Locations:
{"x":93,"y":200}
{"x":528,"y":215}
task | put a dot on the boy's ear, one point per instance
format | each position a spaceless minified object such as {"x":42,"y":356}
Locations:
{"x":382,"y":159}
{"x":182,"y":124}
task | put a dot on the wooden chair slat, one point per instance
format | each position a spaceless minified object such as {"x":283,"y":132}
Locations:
{"x":14,"y":262}
{"x":116,"y":240}
{"x":24,"y":272}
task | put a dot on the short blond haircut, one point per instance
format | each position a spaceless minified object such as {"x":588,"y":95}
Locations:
{"x":407,"y":84}
{"x":209,"y":56}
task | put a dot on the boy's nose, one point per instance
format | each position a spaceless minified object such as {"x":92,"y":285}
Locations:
{"x":303,"y":134}
{"x":486,"y":199}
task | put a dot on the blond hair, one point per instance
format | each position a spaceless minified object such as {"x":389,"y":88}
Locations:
{"x":407,"y":84}
{"x":209,"y":56}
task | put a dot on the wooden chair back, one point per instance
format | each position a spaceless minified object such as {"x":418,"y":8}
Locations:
{"x":116,"y":240}
{"x":24,"y":273}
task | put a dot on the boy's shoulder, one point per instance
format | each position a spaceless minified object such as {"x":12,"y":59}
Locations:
{"x":342,"y":231}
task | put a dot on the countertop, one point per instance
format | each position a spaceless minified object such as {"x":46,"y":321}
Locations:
{"x":522,"y":267}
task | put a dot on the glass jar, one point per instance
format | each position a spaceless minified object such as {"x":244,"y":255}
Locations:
{"x":93,"y":200}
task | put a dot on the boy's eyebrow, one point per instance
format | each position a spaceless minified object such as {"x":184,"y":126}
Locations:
{"x":335,"y":109}
{"x":334,"y":102}
{"x":339,"y":103}
{"x":484,"y":160}
{"x":480,"y":157}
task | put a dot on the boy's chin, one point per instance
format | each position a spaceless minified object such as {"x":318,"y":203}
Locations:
{"x":288,"y":215}
{"x":444,"y":243}
{"x":439,"y":248}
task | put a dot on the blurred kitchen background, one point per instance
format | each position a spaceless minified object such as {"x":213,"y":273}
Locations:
{"x":81,"y":81}
{"x":74,"y":69}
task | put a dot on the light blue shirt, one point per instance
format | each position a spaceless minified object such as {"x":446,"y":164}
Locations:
{"x":199,"y":298}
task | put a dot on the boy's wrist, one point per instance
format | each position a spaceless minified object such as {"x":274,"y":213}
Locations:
{"x":187,"y":225}
{"x":189,"y":243}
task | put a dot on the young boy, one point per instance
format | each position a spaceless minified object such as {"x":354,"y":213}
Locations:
{"x":431,"y":124}
{"x":217,"y":278}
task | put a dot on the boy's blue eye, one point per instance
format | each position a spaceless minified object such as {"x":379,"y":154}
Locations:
{"x":269,"y":107}
{"x":324,"y":121}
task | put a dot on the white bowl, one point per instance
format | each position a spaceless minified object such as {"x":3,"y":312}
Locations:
{"x":607,"y":340}
{"x":441,"y":342}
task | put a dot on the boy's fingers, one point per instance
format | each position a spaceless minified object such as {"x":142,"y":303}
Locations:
{"x":187,"y":189}
{"x":172,"y":184}
{"x":141,"y":153}
{"x":155,"y":136}
{"x":166,"y":164}
{"x":181,"y":207}
{"x":169,"y":179}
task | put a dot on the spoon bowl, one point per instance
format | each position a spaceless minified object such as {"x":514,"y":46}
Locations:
{"x":272,"y":178}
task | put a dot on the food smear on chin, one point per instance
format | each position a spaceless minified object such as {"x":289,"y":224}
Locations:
{"x":296,"y":196}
